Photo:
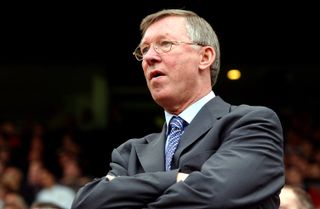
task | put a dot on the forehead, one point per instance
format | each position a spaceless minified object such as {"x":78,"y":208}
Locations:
{"x":169,"y":27}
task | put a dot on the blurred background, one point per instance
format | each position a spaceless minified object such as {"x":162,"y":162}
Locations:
{"x":69,"y":82}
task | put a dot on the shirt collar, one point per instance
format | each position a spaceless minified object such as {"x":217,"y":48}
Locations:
{"x":190,"y":112}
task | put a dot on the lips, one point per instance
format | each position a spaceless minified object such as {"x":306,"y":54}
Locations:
{"x":155,"y":74}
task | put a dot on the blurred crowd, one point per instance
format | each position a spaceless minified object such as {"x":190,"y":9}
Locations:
{"x":41,"y":166}
{"x":302,"y":152}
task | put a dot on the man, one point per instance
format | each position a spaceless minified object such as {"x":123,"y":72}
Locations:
{"x":226,"y":156}
{"x":292,"y":197}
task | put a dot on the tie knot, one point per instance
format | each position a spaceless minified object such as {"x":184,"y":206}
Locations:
{"x":177,"y":123}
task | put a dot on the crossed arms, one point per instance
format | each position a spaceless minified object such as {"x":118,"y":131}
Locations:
{"x":244,"y":169}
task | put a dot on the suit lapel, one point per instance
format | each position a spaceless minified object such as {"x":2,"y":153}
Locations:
{"x":203,"y":121}
{"x":151,"y":154}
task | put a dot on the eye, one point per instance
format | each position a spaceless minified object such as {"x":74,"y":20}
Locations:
{"x":165,"y":45}
{"x":144,"y":49}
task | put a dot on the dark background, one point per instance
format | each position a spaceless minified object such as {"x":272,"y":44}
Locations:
{"x":50,"y":53}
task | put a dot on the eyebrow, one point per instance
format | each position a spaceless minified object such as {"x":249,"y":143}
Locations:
{"x":160,"y":37}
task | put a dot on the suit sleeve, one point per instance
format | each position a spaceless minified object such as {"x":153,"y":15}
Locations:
{"x":124,"y":191}
{"x":247,"y":169}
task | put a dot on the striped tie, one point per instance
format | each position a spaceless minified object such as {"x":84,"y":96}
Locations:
{"x":176,"y":130}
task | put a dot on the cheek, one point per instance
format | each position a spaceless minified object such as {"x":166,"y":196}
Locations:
{"x":144,"y":68}
{"x":186,"y":72}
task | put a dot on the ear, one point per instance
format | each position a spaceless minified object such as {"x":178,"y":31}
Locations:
{"x":208,"y":56}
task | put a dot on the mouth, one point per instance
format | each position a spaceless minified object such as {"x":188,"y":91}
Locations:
{"x":155,"y":74}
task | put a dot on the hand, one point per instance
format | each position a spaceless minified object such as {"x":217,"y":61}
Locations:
{"x":182,"y":176}
{"x":109,"y":177}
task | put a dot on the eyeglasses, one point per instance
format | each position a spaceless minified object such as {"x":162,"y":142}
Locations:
{"x":162,"y":46}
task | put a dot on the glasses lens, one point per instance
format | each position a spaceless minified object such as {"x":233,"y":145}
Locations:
{"x":163,"y":46}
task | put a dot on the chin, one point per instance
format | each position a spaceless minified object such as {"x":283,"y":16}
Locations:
{"x":158,"y":98}
{"x":164,"y":102}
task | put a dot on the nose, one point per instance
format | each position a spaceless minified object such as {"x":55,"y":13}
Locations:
{"x":152,"y":55}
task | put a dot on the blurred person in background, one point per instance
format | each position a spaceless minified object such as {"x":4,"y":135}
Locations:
{"x":14,"y":200}
{"x":53,"y":192}
{"x":44,"y":205}
{"x":294,"y":197}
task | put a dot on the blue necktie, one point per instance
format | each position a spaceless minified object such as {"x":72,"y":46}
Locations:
{"x":176,"y":130}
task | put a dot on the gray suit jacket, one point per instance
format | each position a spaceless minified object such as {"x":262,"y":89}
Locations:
{"x":233,"y":154}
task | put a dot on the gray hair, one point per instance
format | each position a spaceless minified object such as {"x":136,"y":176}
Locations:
{"x":198,"y":29}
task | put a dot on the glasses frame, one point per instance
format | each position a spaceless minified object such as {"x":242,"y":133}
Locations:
{"x":157,"y":47}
